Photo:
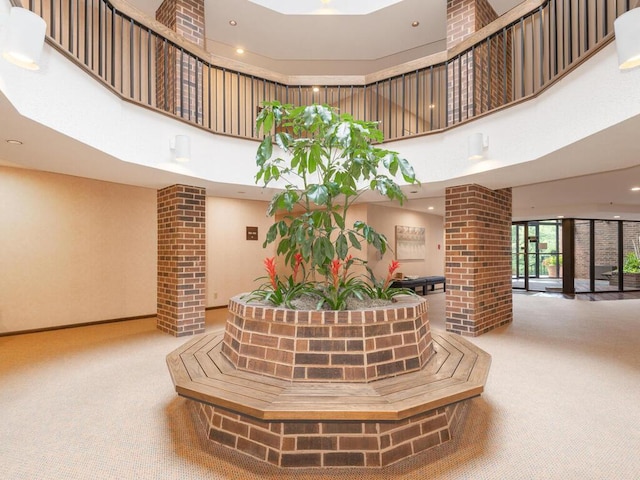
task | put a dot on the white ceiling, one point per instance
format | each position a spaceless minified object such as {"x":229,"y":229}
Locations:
{"x":324,"y":44}
{"x":600,"y":195}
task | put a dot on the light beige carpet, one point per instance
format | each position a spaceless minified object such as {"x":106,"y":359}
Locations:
{"x":562,"y":402}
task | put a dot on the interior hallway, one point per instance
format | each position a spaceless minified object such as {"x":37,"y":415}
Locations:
{"x":561,"y":402}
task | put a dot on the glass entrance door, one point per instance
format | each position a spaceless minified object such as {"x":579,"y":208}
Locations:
{"x":536,"y":258}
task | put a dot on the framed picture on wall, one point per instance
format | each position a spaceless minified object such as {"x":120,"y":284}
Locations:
{"x":410,"y":243}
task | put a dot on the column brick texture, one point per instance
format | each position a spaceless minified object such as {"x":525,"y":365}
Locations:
{"x":470,"y":77}
{"x":181,"y":260}
{"x":178,"y":76}
{"x":477,"y":259}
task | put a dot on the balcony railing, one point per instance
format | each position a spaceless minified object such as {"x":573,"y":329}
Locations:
{"x":509,"y":63}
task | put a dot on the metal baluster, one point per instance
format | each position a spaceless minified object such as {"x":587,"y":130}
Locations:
{"x":522,"y":62}
{"x":131,"y":58}
{"x":446,"y":105}
{"x":224,"y":100}
{"x":431,"y":101}
{"x":541,"y":47}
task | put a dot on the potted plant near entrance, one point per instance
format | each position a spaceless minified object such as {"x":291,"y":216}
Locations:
{"x":552,"y":262}
{"x":630,"y":271}
{"x":324,"y":162}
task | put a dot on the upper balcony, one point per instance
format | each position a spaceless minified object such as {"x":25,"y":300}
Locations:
{"x":516,"y":81}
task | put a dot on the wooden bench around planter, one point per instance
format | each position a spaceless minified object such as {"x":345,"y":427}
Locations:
{"x":457,"y":371}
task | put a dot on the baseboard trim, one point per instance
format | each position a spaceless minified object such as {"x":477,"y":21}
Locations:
{"x":87,"y":324}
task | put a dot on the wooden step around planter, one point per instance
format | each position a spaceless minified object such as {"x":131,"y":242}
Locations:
{"x":457,"y":371}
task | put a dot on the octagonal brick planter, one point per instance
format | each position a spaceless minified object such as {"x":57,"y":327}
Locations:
{"x":328,"y":346}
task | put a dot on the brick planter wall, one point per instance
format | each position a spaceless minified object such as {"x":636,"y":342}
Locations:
{"x":345,"y":346}
{"x":329,"y":444}
{"x":477,"y":259}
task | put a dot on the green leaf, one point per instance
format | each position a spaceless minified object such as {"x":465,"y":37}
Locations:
{"x":318,"y":194}
{"x":271,"y":234}
{"x":354,"y":241}
{"x":341,"y":246}
{"x":408,"y":173}
{"x":283,"y":140}
{"x":343,"y":133}
{"x":339,"y":220}
{"x":265,"y":150}
{"x":309,"y":115}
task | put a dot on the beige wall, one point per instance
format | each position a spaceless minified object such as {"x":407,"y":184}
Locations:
{"x":233,"y":262}
{"x":74,"y":250}
{"x":384,"y":220}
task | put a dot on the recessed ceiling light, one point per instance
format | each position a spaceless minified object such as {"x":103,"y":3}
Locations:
{"x":635,"y":189}
{"x":14,"y":142}
{"x":430,"y":208}
{"x":415,"y":24}
{"x":316,"y":89}
{"x":233,"y":23}
{"x":432,"y":106}
{"x":239,"y":51}
{"x":616,"y":216}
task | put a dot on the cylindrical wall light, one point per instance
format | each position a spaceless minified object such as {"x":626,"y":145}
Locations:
{"x":477,"y":145}
{"x":182,"y":148}
{"x":627,"y":28}
{"x":25,"y":38}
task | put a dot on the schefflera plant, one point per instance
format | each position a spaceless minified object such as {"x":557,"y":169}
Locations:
{"x":328,"y":161}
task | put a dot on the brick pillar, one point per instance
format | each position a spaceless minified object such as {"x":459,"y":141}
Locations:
{"x":178,"y":77}
{"x":465,"y":17}
{"x":478,"y":259}
{"x":181,"y":260}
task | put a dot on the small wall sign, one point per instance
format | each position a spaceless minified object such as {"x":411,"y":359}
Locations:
{"x":252,"y":233}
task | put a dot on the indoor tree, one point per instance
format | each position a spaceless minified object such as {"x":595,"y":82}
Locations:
{"x":324,"y":161}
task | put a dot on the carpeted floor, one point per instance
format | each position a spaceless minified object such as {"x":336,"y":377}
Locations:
{"x":562,"y":402}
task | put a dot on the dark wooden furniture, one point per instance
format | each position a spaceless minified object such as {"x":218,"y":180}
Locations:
{"x":421,"y":282}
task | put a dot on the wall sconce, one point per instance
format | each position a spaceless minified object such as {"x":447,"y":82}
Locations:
{"x":25,"y":38}
{"x":181,"y":148}
{"x":627,"y":28}
{"x":478,"y":143}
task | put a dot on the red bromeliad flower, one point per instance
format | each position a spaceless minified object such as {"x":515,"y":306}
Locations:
{"x":270,"y":265}
{"x":335,"y":271}
{"x":393,"y":266}
{"x":345,"y":270}
{"x":296,"y":266}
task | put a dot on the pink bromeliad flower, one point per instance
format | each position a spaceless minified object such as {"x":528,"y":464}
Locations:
{"x":270,"y":265}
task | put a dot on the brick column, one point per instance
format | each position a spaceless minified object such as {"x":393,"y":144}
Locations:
{"x":178,"y":77}
{"x":465,"y":17}
{"x":478,"y":259}
{"x":181,"y":260}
